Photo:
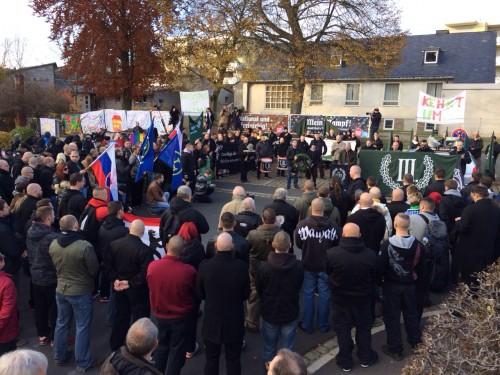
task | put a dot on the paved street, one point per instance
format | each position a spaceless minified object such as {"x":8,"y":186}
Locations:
{"x":250,"y":357}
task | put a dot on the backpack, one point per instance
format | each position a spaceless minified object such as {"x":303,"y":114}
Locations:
{"x":437,"y":253}
{"x":89,"y":225}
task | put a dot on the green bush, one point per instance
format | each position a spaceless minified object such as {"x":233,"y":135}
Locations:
{"x":25,"y":132}
{"x":4,"y":139}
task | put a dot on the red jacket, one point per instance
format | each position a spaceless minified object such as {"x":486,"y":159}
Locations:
{"x":101,"y":208}
{"x":171,"y":287}
{"x":9,"y":320}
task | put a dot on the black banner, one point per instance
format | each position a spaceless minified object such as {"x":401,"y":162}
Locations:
{"x":342,"y":172}
{"x":228,"y":160}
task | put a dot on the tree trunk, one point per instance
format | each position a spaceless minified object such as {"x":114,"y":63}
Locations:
{"x":298,"y":86}
{"x":214,"y":98}
{"x":126,"y":99}
{"x":20,"y":119}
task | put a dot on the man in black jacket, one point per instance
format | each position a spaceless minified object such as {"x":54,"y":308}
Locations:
{"x":246,"y":219}
{"x":112,"y":228}
{"x":224,"y":284}
{"x":322,"y":149}
{"x":73,"y":202}
{"x":43,"y":273}
{"x":263,"y":150}
{"x":278,"y":283}
{"x":452,"y":204}
{"x":315,"y":235}
{"x":129,"y":258}
{"x":189,"y":165}
{"x":357,"y":183}
{"x":438,"y":184}
{"x":181,"y":206}
{"x":6,"y":182}
{"x":26,"y":209}
{"x":464,"y":156}
{"x":282,"y":208}
{"x":352,"y":270}
{"x":291,"y":156}
{"x":397,"y":204}
{"x":370,"y":221}
{"x":46,"y":177}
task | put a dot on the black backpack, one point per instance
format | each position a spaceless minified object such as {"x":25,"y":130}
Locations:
{"x":89,"y":225}
{"x":437,"y":253}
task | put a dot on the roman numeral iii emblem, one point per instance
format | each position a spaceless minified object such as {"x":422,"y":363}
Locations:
{"x":406,"y":166}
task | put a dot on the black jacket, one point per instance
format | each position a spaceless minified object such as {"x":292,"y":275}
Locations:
{"x":24,"y":214}
{"x":193,"y":253}
{"x":38,"y":240}
{"x":241,"y":248}
{"x":111,"y":229}
{"x":357,"y":184}
{"x":73,"y":167}
{"x":315,"y":156}
{"x":129,"y":260}
{"x":302,"y":147}
{"x":315,"y":235}
{"x":320,"y":146}
{"x":223,"y":282}
{"x":451,"y":206}
{"x":188,"y":165}
{"x":6,"y":186}
{"x":465,"y":158}
{"x":72,"y":203}
{"x":436,"y":186}
{"x":343,"y":204}
{"x":264,"y":150}
{"x":352,"y":269}
{"x":186,"y":213}
{"x":46,"y":179}
{"x":289,"y":212}
{"x":278,"y":283}
{"x":245,"y":222}
{"x":122,"y":362}
{"x":10,"y":247}
{"x":396,"y":207}
{"x":372,"y":225}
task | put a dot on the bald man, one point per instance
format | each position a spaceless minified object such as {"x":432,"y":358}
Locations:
{"x":172,"y":294}
{"x":224,"y":284}
{"x":314,"y":236}
{"x":247,"y":219}
{"x":370,"y":221}
{"x":26,"y":209}
{"x":128,"y":261}
{"x":6,"y":182}
{"x":397,"y":204}
{"x":357,"y":183}
{"x":303,"y":202}
{"x":46,"y":176}
{"x":352,"y":270}
{"x":401,"y":264}
{"x":234,"y":206}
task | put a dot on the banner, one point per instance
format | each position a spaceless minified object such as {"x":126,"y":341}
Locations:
{"x":274,"y":123}
{"x":160,"y":120}
{"x":151,"y":236}
{"x":342,"y":172}
{"x":228,"y":159}
{"x":92,"y":122}
{"x":358,"y":124}
{"x":441,"y":110}
{"x":329,"y":143}
{"x":389,"y":167}
{"x":195,"y":128}
{"x":306,"y":124}
{"x":116,"y":120}
{"x":71,"y":124}
{"x":137,"y":118}
{"x":48,"y":125}
{"x":194,"y":101}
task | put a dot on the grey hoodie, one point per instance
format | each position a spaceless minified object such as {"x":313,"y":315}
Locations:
{"x":399,"y":258}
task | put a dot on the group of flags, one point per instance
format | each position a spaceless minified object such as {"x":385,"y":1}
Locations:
{"x":104,"y":167}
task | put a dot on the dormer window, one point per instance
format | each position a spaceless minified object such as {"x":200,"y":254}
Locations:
{"x":431,"y":57}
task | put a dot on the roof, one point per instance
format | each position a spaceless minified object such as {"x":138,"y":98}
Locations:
{"x":37,"y":66}
{"x":463,"y":58}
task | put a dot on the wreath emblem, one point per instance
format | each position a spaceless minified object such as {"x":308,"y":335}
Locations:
{"x":420,"y":184}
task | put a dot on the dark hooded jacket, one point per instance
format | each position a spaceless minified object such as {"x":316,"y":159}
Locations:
{"x":122,"y":362}
{"x":10,"y":246}
{"x":38,"y":240}
{"x":72,"y":203}
{"x":357,"y":184}
{"x":315,"y":235}
{"x":352,"y":269}
{"x":6,"y":186}
{"x":289,"y":212}
{"x":451,"y":206}
{"x":186,"y":213}
{"x":111,"y":229}
{"x":372,"y":225}
{"x":278,"y":283}
{"x":245,"y":222}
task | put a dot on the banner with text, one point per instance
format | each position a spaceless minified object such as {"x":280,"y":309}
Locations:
{"x":194,"y":101}
{"x":307,"y":124}
{"x":390,"y":167}
{"x":227,"y":158}
{"x":441,"y":110}
{"x":358,"y":124}
{"x":92,"y":122}
{"x":274,"y":123}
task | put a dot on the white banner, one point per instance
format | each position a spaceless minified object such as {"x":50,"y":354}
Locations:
{"x":194,"y":101}
{"x":138,"y":118}
{"x":441,"y":110}
{"x":48,"y":125}
{"x":157,"y":120}
{"x":92,"y":121}
{"x":116,"y":120}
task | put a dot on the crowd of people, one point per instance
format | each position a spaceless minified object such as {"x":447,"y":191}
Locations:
{"x":335,"y":258}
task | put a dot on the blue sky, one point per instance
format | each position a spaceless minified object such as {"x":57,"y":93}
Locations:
{"x":418,"y":16}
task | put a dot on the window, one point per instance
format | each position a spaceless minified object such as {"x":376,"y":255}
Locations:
{"x":434,"y":89}
{"x":278,"y":96}
{"x":352,"y":94}
{"x":388,"y":124}
{"x":316,"y":94}
{"x":391,"y":94}
{"x":431,"y":57}
{"x":429,"y":127}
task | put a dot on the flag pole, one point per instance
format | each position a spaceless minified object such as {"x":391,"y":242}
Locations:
{"x":112,"y":143}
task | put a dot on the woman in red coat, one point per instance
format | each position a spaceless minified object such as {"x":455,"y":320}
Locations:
{"x":9,"y":321}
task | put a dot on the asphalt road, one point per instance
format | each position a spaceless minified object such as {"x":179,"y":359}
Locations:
{"x":251,"y":356}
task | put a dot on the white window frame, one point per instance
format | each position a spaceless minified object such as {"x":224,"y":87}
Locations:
{"x":352,"y":102}
{"x":428,"y":130}
{"x":391,"y":103}
{"x":316,"y":101}
{"x":436,"y":51}
{"x":434,"y":83}
{"x":388,"y":121}
{"x":282,"y":98}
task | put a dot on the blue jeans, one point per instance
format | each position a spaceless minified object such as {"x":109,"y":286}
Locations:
{"x":291,"y":175}
{"x":272,"y":333}
{"x":81,"y":308}
{"x":316,"y":281}
{"x":159,"y":207}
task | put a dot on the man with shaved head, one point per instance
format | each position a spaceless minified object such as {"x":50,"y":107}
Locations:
{"x":247,"y":219}
{"x":6,"y":181}
{"x":352,"y":270}
{"x":234,"y":206}
{"x":303,"y":203}
{"x":397,"y":204}
{"x":357,"y":183}
{"x":26,"y":210}
{"x":282,"y":208}
{"x":314,"y":236}
{"x":172,"y":294}
{"x":370,"y":221}
{"x":224,"y":284}
{"x":128,"y":262}
{"x":401,"y":263}
{"x":76,"y":266}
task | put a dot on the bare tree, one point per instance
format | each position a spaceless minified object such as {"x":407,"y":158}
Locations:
{"x":306,"y":36}
{"x":12,"y":52}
